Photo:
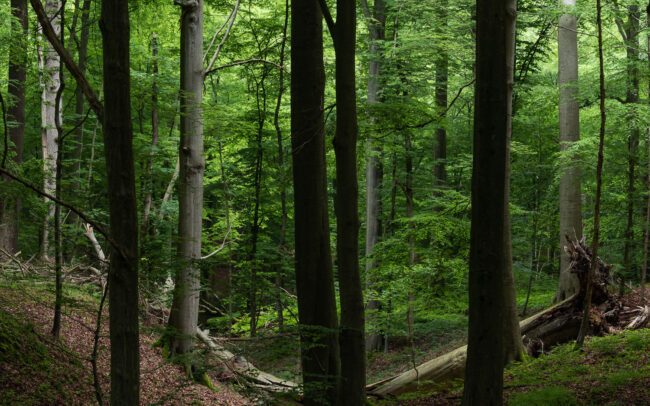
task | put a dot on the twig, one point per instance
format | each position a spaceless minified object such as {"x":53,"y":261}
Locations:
{"x":237,"y":63}
{"x":225,"y":37}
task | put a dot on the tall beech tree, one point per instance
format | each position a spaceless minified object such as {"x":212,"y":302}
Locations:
{"x":185,"y":307}
{"x":10,"y":205}
{"x":118,"y":138}
{"x":570,"y":198}
{"x":376,"y":20}
{"x":352,"y":339}
{"x":484,"y":371}
{"x":49,"y":62}
{"x":314,"y":277}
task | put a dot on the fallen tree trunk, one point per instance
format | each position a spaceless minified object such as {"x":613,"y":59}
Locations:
{"x":553,"y":326}
{"x":241,"y":367}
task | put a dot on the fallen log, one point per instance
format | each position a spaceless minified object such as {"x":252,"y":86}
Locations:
{"x":558,"y":324}
{"x":241,"y":367}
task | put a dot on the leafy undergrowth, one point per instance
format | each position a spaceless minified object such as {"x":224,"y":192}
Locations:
{"x":35,"y":370}
{"x":611,"y":370}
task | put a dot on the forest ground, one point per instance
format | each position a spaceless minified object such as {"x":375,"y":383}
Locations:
{"x":37,"y":371}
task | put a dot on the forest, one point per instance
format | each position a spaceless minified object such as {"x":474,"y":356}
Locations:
{"x":324,"y":202}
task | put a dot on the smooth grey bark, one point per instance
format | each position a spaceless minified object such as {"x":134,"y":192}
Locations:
{"x":118,"y":149}
{"x":408,"y":191}
{"x":374,"y":173}
{"x":570,"y":197}
{"x":50,"y":83}
{"x":10,"y":205}
{"x":512,"y":344}
{"x":632,"y":96}
{"x":185,"y":311}
{"x":314,"y":277}
{"x":352,"y":326}
{"x":484,"y":371}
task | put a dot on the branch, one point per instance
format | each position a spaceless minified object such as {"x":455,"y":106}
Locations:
{"x":68,"y":206}
{"x":225,"y":37}
{"x":328,"y":17}
{"x":87,"y":90}
{"x":214,"y":37}
{"x":442,"y":113}
{"x":223,"y":244}
{"x":237,"y":63}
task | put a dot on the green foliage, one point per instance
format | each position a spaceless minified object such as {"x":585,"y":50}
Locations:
{"x":550,"y":395}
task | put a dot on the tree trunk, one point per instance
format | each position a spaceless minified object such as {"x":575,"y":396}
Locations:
{"x":632,"y":97}
{"x":352,"y":340}
{"x":314,"y":277}
{"x":50,"y":82}
{"x":599,"y":175}
{"x":255,"y":229}
{"x":283,"y":184}
{"x":185,"y":311}
{"x":377,"y":25}
{"x":513,"y":347}
{"x":58,"y":255}
{"x":410,"y":311}
{"x":146,"y":206}
{"x":570,"y":198}
{"x":118,"y":138}
{"x":442,"y":73}
{"x":484,"y":373}
{"x":10,"y":209}
{"x":647,"y":219}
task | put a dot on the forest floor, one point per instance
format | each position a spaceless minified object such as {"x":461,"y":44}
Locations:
{"x":610,"y":370}
{"x":35,"y":370}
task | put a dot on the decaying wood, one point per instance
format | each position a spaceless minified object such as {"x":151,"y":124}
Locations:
{"x":241,"y":367}
{"x":553,"y":326}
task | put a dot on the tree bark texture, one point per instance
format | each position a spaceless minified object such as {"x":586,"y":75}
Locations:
{"x":118,"y":139}
{"x":512,"y":344}
{"x":352,"y":339}
{"x":632,"y":97}
{"x":570,"y":197}
{"x":50,"y":83}
{"x":377,"y":25}
{"x":185,"y":313}
{"x":10,"y":205}
{"x":314,"y":276}
{"x":484,"y":371}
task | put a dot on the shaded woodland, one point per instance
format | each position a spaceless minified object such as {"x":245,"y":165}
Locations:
{"x":323,"y":202}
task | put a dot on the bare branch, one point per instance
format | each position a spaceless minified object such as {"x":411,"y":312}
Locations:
{"x":237,"y":63}
{"x":225,"y":37}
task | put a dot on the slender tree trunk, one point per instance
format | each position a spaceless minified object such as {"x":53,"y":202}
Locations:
{"x":377,"y":26}
{"x":484,"y":372}
{"x":410,"y":311}
{"x":118,"y":139}
{"x":314,"y":276}
{"x":261,"y":115}
{"x":570,"y":198}
{"x":632,"y":97}
{"x":599,"y":173}
{"x":283,"y":182}
{"x":185,"y":312}
{"x":58,"y":254}
{"x":146,"y":206}
{"x":647,"y":219}
{"x":50,"y":83}
{"x":513,"y":346}
{"x":442,"y":73}
{"x":10,"y":205}
{"x":352,"y":340}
